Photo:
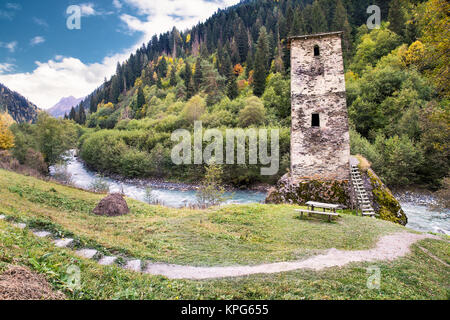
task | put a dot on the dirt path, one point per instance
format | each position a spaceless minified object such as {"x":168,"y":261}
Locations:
{"x":388,"y":248}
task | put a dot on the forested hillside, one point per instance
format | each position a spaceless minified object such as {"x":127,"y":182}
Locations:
{"x":233,"y":71}
{"x":18,"y":107}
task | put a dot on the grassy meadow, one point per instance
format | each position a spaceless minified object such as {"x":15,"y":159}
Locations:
{"x":230,"y":235}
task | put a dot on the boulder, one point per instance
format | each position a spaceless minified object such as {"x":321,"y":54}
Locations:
{"x":293,"y":191}
{"x":113,"y":205}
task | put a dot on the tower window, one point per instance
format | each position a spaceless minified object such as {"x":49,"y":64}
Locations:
{"x":316,"y":51}
{"x":315,"y":120}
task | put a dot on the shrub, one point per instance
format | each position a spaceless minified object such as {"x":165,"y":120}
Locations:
{"x":211,"y":191}
{"x":99,"y":185}
{"x":61,"y":174}
{"x":253,"y":114}
{"x":194,"y":109}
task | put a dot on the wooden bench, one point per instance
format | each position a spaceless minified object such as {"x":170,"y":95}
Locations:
{"x":328,"y":209}
{"x":325,"y":213}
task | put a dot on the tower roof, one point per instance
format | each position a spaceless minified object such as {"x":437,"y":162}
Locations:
{"x":317,"y":35}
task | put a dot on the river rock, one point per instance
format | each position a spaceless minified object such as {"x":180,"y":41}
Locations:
{"x":111,"y":206}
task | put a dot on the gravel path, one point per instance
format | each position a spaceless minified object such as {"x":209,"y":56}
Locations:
{"x":388,"y":248}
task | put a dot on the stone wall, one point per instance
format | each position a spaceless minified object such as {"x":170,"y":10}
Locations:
{"x":318,"y":87}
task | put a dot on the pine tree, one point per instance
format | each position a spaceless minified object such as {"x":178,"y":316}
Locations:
{"x":242,"y":42}
{"x":340,"y":23}
{"x":82,"y":115}
{"x":198,"y":76}
{"x":93,"y":104}
{"x":72,"y":114}
{"x":115,"y":90}
{"x":396,"y":17}
{"x":162,"y":68}
{"x":232,"y":88}
{"x":318,"y":19}
{"x":188,"y":81}
{"x":173,"y":77}
{"x":140,"y":100}
{"x":261,"y":67}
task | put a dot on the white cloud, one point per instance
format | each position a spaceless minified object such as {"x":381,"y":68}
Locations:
{"x":13,"y":6}
{"x":11,"y":46}
{"x":40,"y":22}
{"x":67,"y":76}
{"x":59,"y":77}
{"x":37,"y":40}
{"x":162,"y":16}
{"x":87,"y":9}
{"x":117,"y":4}
{"x":6,"y":67}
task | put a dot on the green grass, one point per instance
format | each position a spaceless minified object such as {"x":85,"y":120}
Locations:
{"x":239,"y":234}
{"x":417,"y":276}
{"x":247,"y":234}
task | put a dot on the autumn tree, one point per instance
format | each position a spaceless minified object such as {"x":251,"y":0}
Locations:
{"x":194,"y":109}
{"x":436,"y":35}
{"x":6,"y":136}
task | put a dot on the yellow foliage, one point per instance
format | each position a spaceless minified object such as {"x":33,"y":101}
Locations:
{"x":109,"y":105}
{"x":351,"y":76}
{"x":6,"y":136}
{"x":415,"y":53}
{"x":364,"y":164}
{"x":6,"y":117}
{"x":188,"y":38}
{"x":138,"y":83}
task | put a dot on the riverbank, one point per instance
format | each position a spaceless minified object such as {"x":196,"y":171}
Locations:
{"x":162,"y":183}
{"x":177,"y":195}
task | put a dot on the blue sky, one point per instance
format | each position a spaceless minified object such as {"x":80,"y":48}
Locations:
{"x":44,"y":61}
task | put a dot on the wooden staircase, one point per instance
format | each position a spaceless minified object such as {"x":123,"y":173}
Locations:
{"x":361,"y":193}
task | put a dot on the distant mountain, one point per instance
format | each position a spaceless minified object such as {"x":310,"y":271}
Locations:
{"x":20,"y":109}
{"x":64,"y":106}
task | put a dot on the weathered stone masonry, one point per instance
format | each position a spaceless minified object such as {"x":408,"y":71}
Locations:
{"x":320,"y":140}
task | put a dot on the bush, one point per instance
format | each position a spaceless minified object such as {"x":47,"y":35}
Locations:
{"x":99,"y":185}
{"x":253,"y":114}
{"x":401,"y":160}
{"x":134,"y":163}
{"x":211,"y":191}
{"x":61,"y":174}
{"x":194,"y":109}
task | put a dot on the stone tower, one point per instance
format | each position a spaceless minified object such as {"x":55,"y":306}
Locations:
{"x":320,"y":140}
